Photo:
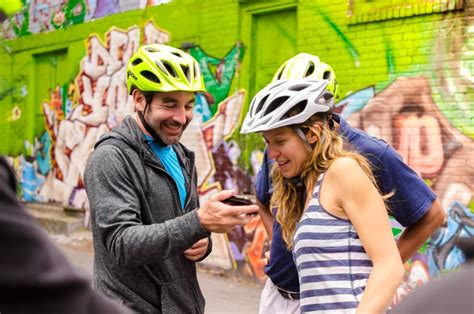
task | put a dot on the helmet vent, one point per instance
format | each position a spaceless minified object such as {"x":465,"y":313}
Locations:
{"x":279,"y":74}
{"x":295,"y":110}
{"x":327,"y":95}
{"x":275,"y":104}
{"x":150,"y":49}
{"x":310,"y":70}
{"x":162,"y":68}
{"x":137,"y":61}
{"x":170,"y":69}
{"x":186,"y":72}
{"x":326,"y":75}
{"x":176,"y":54}
{"x":263,"y":121}
{"x":276,"y":85}
{"x":150,"y":76}
{"x":298,"y":87}
{"x":260,"y":104}
{"x":324,"y":99}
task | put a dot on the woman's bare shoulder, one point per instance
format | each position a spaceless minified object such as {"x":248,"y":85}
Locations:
{"x":342,"y":165}
{"x":346,"y":172}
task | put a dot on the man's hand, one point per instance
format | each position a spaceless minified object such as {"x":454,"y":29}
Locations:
{"x":216,"y":216}
{"x":197,"y":251}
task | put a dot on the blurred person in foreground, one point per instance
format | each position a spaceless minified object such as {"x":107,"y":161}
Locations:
{"x":450,"y":292}
{"x":147,"y":224}
{"x":35,"y":277}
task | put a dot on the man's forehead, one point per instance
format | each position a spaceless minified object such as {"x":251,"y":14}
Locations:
{"x":176,"y":95}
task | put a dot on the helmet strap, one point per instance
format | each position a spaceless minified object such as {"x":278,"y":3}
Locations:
{"x":300,"y":187}
{"x":148,"y":128}
{"x":303,"y":137}
{"x":298,"y":181}
{"x":331,"y":123}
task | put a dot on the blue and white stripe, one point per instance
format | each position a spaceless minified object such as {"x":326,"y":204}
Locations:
{"x":332,"y":264}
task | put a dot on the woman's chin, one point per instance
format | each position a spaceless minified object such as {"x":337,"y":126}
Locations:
{"x":287,"y":175}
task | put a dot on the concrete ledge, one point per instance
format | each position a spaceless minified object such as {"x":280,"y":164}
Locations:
{"x":54,"y":218}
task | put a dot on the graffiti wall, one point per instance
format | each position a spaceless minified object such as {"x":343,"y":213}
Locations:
{"x":409,"y":82}
{"x":38,"y":16}
{"x":77,"y":114}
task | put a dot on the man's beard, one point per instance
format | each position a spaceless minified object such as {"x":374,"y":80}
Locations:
{"x":165,"y":139}
{"x":168,"y":141}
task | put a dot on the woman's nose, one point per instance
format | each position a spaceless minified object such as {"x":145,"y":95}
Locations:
{"x":272,"y":153}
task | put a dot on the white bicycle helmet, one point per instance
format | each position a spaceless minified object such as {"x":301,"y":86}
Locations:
{"x":286,"y":103}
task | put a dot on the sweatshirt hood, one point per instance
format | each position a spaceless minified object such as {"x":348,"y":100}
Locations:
{"x":128,"y":131}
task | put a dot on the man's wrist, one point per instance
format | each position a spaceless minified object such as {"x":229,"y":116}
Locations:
{"x":200,"y":215}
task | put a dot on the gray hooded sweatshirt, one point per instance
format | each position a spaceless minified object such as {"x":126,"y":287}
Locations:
{"x":139,"y":229}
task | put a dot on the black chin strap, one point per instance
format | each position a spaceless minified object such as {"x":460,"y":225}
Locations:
{"x":296,"y":181}
{"x":300,"y":187}
{"x":148,"y":128}
{"x":331,"y":123}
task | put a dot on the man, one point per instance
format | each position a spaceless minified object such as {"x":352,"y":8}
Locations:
{"x":414,"y":205}
{"x":35,"y":276}
{"x":148,"y":229}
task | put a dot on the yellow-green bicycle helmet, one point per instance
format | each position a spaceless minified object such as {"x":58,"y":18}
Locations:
{"x":303,"y":66}
{"x":161,"y":68}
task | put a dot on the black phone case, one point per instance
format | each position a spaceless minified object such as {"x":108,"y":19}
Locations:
{"x":238,"y":200}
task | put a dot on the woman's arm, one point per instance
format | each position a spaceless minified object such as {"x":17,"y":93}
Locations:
{"x":364,"y":206}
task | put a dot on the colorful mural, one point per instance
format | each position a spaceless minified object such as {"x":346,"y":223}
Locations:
{"x":41,"y":16}
{"x":77,"y":114}
{"x":217,"y":83}
{"x":38,"y":16}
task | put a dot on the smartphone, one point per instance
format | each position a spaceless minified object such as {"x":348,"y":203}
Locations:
{"x":238,"y":200}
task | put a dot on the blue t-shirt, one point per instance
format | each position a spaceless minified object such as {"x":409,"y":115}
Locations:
{"x":169,"y":159}
{"x":411,"y":201}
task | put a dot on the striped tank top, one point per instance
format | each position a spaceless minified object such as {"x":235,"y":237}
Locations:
{"x":332,"y":264}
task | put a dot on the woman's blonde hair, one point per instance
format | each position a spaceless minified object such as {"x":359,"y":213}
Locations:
{"x":327,"y":148}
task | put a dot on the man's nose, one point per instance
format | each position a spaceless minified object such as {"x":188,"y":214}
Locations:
{"x":180,"y":116}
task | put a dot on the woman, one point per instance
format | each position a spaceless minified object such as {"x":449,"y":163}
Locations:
{"x":332,"y":215}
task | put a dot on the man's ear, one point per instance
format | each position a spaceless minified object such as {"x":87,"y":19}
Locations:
{"x":139,"y":100}
{"x":313,"y":134}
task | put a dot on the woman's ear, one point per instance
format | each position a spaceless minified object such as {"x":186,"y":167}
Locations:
{"x":139,"y":100}
{"x":313,"y":135}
